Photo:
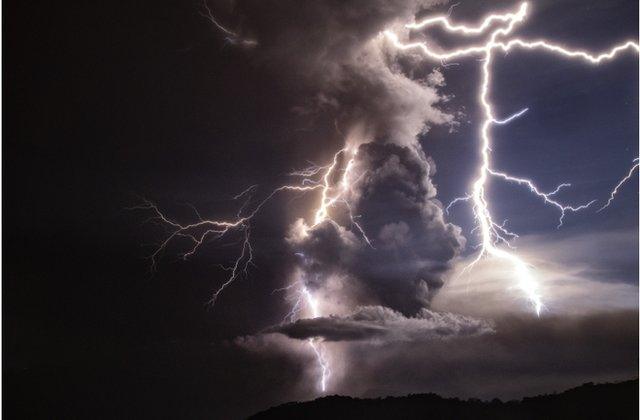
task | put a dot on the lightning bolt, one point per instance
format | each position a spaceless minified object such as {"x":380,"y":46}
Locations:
{"x":230,"y":36}
{"x":316,"y":346}
{"x":314,"y":178}
{"x":332,"y":193}
{"x":491,"y":233}
{"x":622,"y":181}
{"x":198,"y":232}
{"x":303,"y":297}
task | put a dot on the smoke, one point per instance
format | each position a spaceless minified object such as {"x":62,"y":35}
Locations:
{"x":411,"y":243}
{"x":368,"y":271}
{"x":331,"y":56}
{"x":522,"y":355}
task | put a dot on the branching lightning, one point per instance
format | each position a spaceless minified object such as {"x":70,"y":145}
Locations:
{"x":314,"y":178}
{"x":303,"y":297}
{"x":492,"y":234}
{"x":334,"y":181}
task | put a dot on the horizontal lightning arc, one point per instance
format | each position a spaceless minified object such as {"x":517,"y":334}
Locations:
{"x":511,"y":118}
{"x":332,"y":194}
{"x":546,"y":197}
{"x":469,"y":30}
{"x":313,"y":178}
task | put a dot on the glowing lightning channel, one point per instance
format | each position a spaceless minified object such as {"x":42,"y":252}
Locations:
{"x":316,"y":346}
{"x":231,"y":36}
{"x":622,"y":181}
{"x":204,"y":229}
{"x":467,"y":30}
{"x":492,"y":233}
{"x":511,"y":118}
{"x":303,"y":294}
{"x":313,"y":178}
{"x":332,"y":194}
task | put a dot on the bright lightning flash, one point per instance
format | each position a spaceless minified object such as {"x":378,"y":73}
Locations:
{"x":636,"y":163}
{"x":334,"y":188}
{"x":304,"y":297}
{"x":317,"y":347}
{"x":492,"y":233}
{"x":314,"y":178}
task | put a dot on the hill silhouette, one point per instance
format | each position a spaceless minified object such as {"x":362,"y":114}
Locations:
{"x":588,"y":401}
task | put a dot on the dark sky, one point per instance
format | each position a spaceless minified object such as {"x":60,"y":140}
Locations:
{"x":107,"y":103}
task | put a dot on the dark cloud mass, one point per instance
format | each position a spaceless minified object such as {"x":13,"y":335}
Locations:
{"x":105,"y":101}
{"x":411,"y":243}
{"x":521,"y":355}
{"x":331,"y":54}
{"x":333,"y":59}
{"x":526,"y":355}
{"x":375,"y":320}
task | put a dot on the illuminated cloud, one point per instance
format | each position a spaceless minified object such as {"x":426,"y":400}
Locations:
{"x":579,"y":274}
{"x":376,"y":237}
{"x":411,"y":243}
{"x":382,"y":325}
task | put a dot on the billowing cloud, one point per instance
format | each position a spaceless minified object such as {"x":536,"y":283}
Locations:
{"x":524,"y":355}
{"x":331,"y":55}
{"x":332,"y":58}
{"x":411,"y":243}
{"x":383,"y":325}
{"x":374,"y":267}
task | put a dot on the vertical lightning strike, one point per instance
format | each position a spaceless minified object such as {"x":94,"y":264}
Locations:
{"x":492,"y":234}
{"x":321,"y":179}
{"x":316,"y":346}
{"x":304,"y":296}
{"x":322,"y":362}
{"x":314,"y":178}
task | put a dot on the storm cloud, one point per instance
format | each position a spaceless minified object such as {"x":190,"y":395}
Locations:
{"x":411,"y":243}
{"x":333,"y":60}
{"x":332,"y":55}
{"x":383,"y":325}
{"x":376,"y":287}
{"x":526,"y":355}
{"x":522,"y":355}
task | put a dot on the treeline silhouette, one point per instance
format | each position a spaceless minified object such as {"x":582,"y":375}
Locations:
{"x":588,"y":401}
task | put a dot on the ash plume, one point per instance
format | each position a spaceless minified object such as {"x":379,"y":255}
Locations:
{"x":332,"y":56}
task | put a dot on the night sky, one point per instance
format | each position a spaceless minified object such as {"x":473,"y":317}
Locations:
{"x":108,"y":104}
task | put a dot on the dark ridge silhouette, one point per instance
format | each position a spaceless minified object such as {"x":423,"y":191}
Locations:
{"x":588,"y":401}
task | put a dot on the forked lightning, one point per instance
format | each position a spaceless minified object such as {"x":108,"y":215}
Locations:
{"x":492,"y":233}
